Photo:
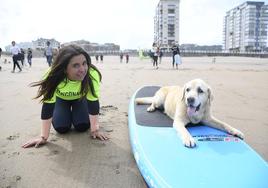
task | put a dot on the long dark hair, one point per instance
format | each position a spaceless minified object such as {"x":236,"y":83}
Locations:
{"x":57,"y":73}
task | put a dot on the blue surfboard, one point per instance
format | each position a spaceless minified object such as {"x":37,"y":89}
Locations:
{"x":219,"y":160}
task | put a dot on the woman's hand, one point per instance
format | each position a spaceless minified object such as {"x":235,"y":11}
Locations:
{"x":97,"y":134}
{"x":35,"y":142}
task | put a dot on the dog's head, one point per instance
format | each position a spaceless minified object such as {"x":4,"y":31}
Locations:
{"x":196,"y":95}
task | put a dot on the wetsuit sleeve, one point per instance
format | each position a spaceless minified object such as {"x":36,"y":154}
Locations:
{"x":47,"y":111}
{"x":93,"y":107}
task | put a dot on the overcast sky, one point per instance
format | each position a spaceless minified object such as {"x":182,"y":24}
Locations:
{"x":128,"y":23}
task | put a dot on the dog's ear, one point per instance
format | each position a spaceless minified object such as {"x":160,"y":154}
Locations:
{"x":210,"y":96}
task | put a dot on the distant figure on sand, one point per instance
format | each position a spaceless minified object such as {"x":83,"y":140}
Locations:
{"x":177,"y":60}
{"x":101,"y":58}
{"x":22,"y":56}
{"x":175,"y":50}
{"x":49,"y":53}
{"x":214,"y":60}
{"x":155,"y":54}
{"x":70,"y":96}
{"x":97,"y":58}
{"x":15,"y":50}
{"x":121,"y":57}
{"x":29,"y":56}
{"x":127,"y":58}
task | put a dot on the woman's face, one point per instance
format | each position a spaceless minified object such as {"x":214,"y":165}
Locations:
{"x":77,"y":68}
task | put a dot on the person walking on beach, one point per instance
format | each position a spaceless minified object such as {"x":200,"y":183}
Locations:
{"x":49,"y":53}
{"x":97,"y":58}
{"x":177,"y":60}
{"x":121,"y":57}
{"x":127,"y":58}
{"x":70,"y":96}
{"x":22,"y":56}
{"x":15,"y":50}
{"x":175,"y":50}
{"x":155,"y":54}
{"x":101,"y":58}
{"x":29,"y":56}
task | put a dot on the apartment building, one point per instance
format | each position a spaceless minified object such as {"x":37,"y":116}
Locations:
{"x":166,"y":23}
{"x":41,"y":43}
{"x":245,"y":27}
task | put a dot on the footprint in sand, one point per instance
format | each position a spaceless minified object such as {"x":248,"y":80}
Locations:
{"x":117,"y":167}
{"x":53,"y":152}
{"x":97,"y":143}
{"x":126,"y":114}
{"x":13,"y":137}
{"x":107,"y":108}
{"x":14,"y":154}
{"x":13,"y":181}
{"x":54,"y":139}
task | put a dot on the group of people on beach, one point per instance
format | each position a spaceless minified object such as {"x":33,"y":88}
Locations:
{"x":97,"y":58}
{"x":18,"y":54}
{"x":121,"y":56}
{"x":156,"y":54}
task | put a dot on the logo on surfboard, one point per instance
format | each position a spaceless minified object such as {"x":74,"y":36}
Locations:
{"x":216,"y":138}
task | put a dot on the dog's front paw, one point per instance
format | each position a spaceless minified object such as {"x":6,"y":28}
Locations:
{"x":188,"y":141}
{"x":151,"y":108}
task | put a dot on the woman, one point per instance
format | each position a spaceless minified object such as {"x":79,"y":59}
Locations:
{"x":175,"y":51}
{"x":69,"y":91}
{"x":155,"y":54}
{"x":29,"y":56}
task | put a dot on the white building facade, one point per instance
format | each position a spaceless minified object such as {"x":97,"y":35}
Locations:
{"x":245,"y":27}
{"x":166,"y":23}
{"x":41,"y":43}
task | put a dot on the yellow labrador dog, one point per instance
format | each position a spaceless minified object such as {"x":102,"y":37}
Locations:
{"x":188,"y":104}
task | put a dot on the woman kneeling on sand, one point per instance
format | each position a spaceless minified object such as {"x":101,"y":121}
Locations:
{"x":70,"y":92}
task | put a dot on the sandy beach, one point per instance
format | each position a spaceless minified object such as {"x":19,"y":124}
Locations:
{"x":239,"y":86}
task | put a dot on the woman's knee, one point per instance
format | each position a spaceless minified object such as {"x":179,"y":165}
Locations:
{"x":81,"y":127}
{"x":62,"y":130}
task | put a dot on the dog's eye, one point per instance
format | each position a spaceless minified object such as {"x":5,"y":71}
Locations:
{"x":199,"y":90}
{"x":188,"y":89}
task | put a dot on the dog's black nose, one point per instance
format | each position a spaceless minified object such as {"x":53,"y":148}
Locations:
{"x":190,"y":100}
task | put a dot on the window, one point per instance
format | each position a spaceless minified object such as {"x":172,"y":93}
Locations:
{"x":171,"y":30}
{"x":251,"y":33}
{"x":171,"y":19}
{"x":170,"y":42}
{"x":263,"y":33}
{"x":171,"y":11}
{"x":171,"y":34}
